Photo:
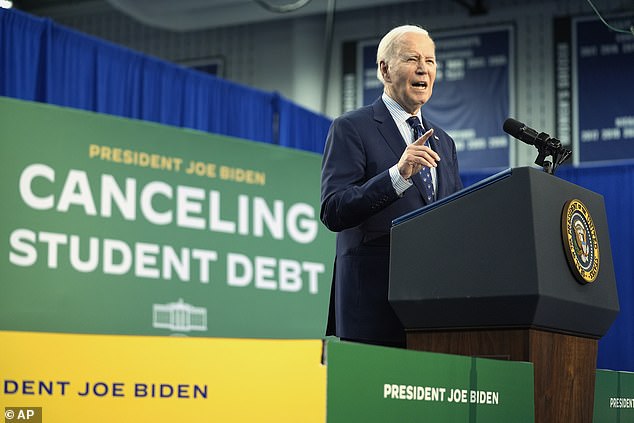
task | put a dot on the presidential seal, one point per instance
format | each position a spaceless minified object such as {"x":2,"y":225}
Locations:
{"x":580,"y":241}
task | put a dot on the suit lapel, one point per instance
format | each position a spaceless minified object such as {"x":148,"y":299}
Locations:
{"x":387,"y":128}
{"x":394,"y":139}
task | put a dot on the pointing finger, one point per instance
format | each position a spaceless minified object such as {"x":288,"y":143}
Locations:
{"x":423,"y":139}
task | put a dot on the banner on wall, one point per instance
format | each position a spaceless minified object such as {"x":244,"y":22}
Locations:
{"x":602,"y":73}
{"x":593,"y":78}
{"x":73,"y":378}
{"x":67,"y":378}
{"x":473,"y":92}
{"x":371,"y":384}
{"x":613,"y":397}
{"x":125,"y":227}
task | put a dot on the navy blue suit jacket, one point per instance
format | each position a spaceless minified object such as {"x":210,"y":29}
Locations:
{"x":358,"y":202}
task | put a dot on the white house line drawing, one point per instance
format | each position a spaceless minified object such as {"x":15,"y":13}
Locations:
{"x":179,"y":316}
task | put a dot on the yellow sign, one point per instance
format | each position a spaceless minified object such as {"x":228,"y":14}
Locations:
{"x":106,"y":378}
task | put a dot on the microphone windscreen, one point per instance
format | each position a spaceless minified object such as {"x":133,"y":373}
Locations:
{"x":513,"y":127}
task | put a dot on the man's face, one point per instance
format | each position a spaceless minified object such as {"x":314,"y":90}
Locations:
{"x":409,"y":76}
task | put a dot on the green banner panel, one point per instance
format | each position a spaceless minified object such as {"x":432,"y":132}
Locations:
{"x":378,"y":384}
{"x":112,"y":225}
{"x":614,"y":397}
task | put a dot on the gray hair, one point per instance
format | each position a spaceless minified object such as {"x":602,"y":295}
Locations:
{"x":388,"y":47}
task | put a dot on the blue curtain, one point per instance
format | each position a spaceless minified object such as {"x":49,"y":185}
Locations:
{"x":42,"y":61}
{"x":22,"y":74}
{"x":616,"y":184}
{"x":296,"y":123}
{"x":45,"y":62}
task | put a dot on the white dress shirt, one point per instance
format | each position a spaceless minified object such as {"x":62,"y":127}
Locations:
{"x":400,"y":117}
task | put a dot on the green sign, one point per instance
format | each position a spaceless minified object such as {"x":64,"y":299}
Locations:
{"x":614,"y":397}
{"x":378,"y":384}
{"x":111,"y":225}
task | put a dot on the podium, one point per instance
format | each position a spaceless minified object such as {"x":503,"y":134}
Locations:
{"x":489,"y":272}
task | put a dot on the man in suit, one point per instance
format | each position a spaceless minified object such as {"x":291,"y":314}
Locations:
{"x":377,"y":167}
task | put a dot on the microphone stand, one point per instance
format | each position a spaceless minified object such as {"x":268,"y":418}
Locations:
{"x":547,"y":146}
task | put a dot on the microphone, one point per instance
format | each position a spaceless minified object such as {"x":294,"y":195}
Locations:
{"x":546,"y":145}
{"x":518,"y":130}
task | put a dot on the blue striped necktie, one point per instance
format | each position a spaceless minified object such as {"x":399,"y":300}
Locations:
{"x":428,"y":184}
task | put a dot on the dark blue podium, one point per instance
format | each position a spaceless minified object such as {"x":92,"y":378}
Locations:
{"x":486,"y":273}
